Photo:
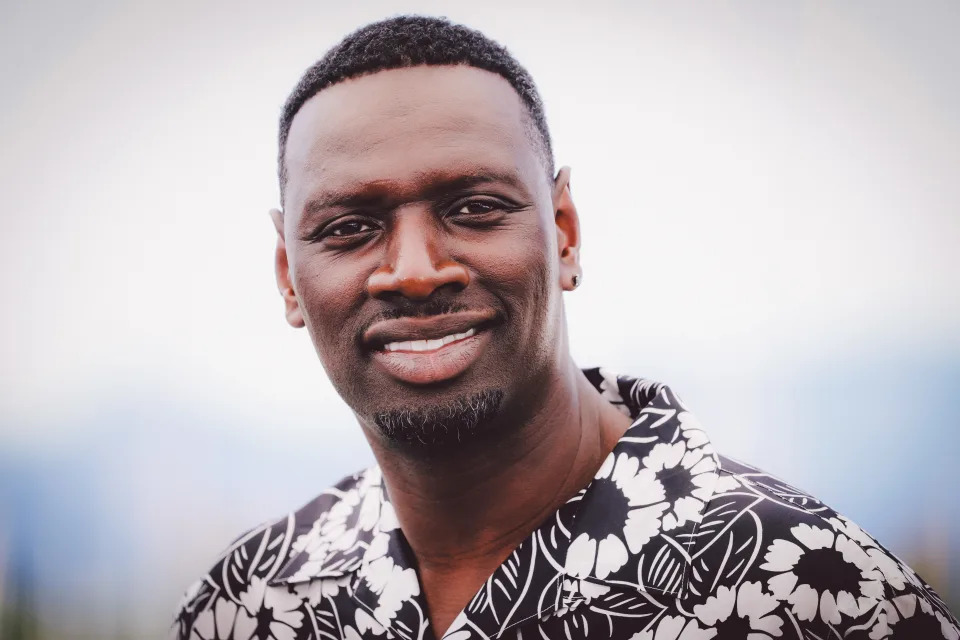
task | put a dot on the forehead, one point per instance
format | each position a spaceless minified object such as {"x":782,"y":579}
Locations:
{"x":394,"y":126}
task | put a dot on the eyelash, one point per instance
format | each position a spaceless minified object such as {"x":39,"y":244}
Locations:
{"x":491,"y":204}
{"x":328,"y":231}
{"x":333,"y":228}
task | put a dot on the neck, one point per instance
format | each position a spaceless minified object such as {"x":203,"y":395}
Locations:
{"x":472,"y":508}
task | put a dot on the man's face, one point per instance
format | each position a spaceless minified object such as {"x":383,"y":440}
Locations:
{"x":424,"y":247}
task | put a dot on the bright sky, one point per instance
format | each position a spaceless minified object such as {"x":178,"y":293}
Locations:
{"x":758,"y":184}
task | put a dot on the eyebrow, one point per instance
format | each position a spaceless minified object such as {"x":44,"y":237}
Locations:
{"x":381,"y":194}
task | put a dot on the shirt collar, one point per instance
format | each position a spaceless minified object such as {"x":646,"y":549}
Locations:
{"x":630,"y":528}
{"x":637,"y":519}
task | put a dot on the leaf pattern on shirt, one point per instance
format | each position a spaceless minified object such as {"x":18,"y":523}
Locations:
{"x":670,"y":541}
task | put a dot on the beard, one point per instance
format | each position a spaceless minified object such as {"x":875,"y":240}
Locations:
{"x":441,"y":425}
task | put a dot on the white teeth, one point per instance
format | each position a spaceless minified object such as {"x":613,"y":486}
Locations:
{"x":428,"y":345}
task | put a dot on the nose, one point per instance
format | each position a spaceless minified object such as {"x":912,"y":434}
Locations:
{"x":416,"y":263}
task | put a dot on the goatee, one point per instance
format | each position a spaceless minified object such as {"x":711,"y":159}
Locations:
{"x":451,"y":423}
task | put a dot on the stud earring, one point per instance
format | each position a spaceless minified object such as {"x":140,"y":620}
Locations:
{"x":576,"y":280}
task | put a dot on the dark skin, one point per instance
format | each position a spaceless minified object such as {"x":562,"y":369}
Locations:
{"x":424,"y":189}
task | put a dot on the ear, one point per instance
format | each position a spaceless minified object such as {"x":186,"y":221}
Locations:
{"x":568,"y":230}
{"x":282,"y":267}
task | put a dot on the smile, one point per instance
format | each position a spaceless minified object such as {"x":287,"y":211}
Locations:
{"x":428,"y":350}
{"x":428,"y":345}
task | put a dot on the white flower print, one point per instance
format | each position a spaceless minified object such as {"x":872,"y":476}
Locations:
{"x":634,"y":499}
{"x":891,"y":569}
{"x":365,"y":627}
{"x":335,"y":527}
{"x":906,"y":617}
{"x":366,"y":623}
{"x":893,"y":611}
{"x":393,"y":585}
{"x":263,"y":612}
{"x":281,"y":605}
{"x":388,"y":518}
{"x":358,"y":510}
{"x":575,"y":592}
{"x":369,"y":512}
{"x":328,"y":533}
{"x":378,"y":548}
{"x":692,"y":430}
{"x":676,"y":628}
{"x":826,"y":572}
{"x":585,"y":589}
{"x":894,"y":571}
{"x":349,"y":633}
{"x":947,"y":628}
{"x":693,"y":489}
{"x":726,"y":484}
{"x":317,"y":589}
{"x":744,"y":612}
{"x":853,"y":531}
{"x":225,"y":620}
{"x":456,"y":630}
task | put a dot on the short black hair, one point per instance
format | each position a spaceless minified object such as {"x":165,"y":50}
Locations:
{"x":410,"y":41}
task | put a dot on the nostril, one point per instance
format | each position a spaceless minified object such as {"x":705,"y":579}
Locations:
{"x":417,"y":283}
{"x":418,"y":288}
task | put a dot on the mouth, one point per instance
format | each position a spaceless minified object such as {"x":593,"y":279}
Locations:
{"x":428,"y":350}
{"x":424,"y":346}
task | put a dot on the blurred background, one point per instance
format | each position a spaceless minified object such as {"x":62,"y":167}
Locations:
{"x":770,"y":203}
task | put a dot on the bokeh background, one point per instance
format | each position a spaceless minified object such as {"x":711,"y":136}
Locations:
{"x":770,"y":201}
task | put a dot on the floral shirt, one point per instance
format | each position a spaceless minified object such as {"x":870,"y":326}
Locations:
{"x":670,"y":541}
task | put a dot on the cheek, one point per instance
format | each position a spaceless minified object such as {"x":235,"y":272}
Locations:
{"x":329,"y":291}
{"x":520,"y":268}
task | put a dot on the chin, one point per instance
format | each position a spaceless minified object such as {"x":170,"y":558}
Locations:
{"x":442,"y":423}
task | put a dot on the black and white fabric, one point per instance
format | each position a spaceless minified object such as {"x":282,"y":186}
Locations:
{"x":670,"y":541}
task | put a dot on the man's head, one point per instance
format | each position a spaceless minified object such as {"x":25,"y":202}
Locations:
{"x":420,"y":242}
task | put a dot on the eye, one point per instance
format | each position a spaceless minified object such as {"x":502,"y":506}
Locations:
{"x":481,"y":212}
{"x":477,"y":207}
{"x":349,"y":228}
{"x":343,"y":232}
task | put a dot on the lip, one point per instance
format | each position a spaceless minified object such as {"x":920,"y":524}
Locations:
{"x":425,"y":328}
{"x":435,"y":365}
{"x":438,"y":365}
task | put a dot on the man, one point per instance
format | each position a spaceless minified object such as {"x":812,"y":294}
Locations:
{"x":425,"y":242}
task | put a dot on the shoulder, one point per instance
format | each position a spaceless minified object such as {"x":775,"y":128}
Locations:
{"x":787,"y":558}
{"x":233,"y":590}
